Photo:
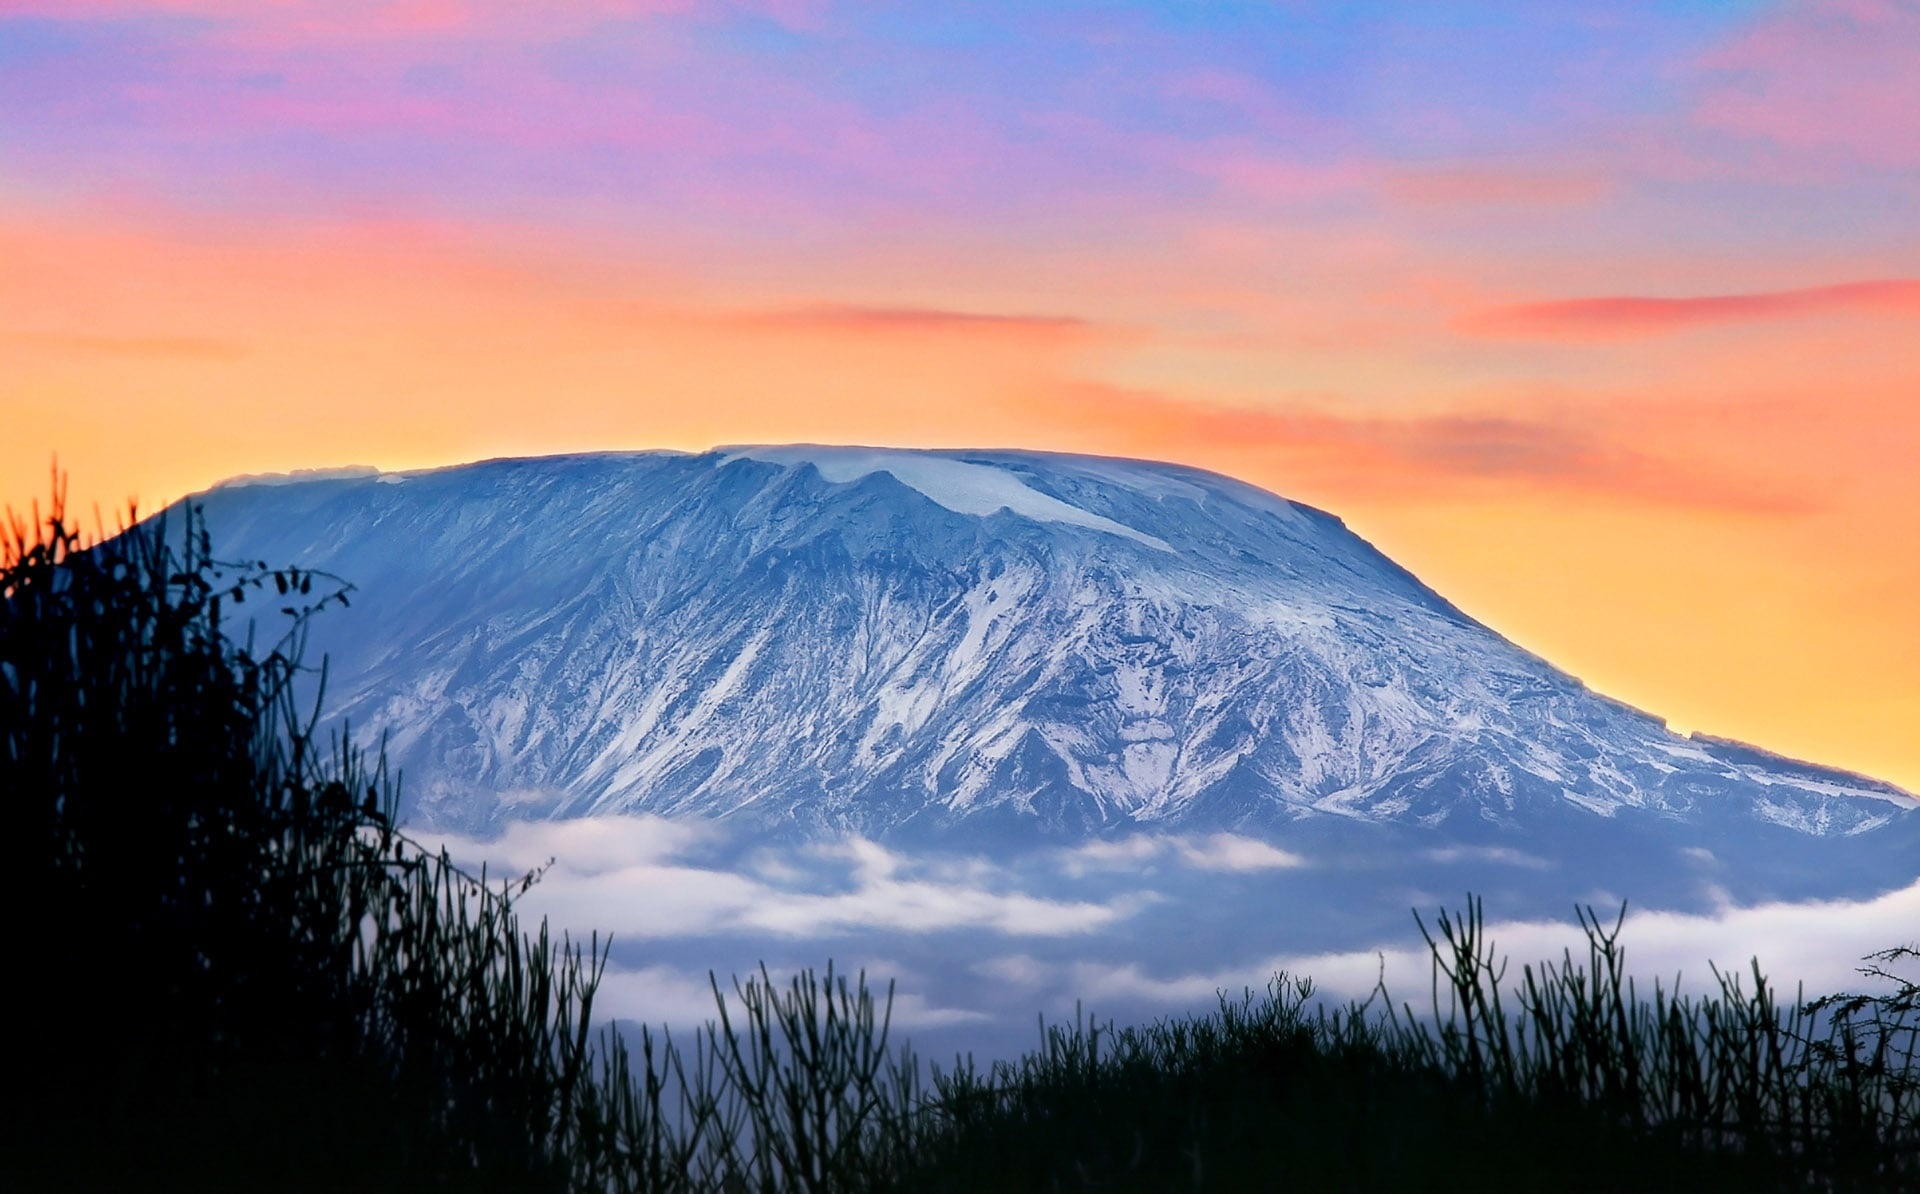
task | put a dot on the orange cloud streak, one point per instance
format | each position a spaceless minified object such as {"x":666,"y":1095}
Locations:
{"x":869,"y":321}
{"x":1601,"y":318}
{"x":1413,"y":454}
{"x":192,"y":347}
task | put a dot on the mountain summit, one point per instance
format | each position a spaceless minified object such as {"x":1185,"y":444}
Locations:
{"x":895,"y":642}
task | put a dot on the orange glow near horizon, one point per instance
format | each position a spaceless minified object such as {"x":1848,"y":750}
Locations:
{"x":1743,"y":572}
{"x":1637,"y":385}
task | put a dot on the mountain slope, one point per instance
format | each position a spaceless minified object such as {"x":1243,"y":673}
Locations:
{"x":896,"y":642}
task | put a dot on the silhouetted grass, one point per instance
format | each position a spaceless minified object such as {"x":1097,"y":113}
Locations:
{"x":1565,"y":1081}
{"x":236,"y":973}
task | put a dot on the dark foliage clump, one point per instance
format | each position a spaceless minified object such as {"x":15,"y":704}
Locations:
{"x":236,"y":973}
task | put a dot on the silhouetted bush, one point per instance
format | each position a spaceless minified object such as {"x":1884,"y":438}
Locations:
{"x":236,"y":973}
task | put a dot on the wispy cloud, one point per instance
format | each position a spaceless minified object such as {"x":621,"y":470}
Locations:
{"x":307,"y":22}
{"x":1422,"y":452}
{"x":1253,"y":104}
{"x":1251,"y":171}
{"x":979,"y":942}
{"x":1501,"y":855}
{"x":1818,"y":944}
{"x":1229,"y":852}
{"x":1471,"y":185}
{"x":649,"y":878}
{"x":884,"y":320}
{"x":1830,"y":78}
{"x":1626,"y":315}
{"x":201,"y":348}
{"x":590,"y":845}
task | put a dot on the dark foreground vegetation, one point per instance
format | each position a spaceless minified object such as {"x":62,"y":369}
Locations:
{"x":238,"y":974}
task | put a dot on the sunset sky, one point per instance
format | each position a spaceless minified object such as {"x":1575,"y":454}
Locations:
{"x":1602,"y":318}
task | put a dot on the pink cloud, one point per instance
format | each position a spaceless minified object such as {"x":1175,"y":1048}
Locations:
{"x":1263,"y":107}
{"x":1622,"y":316}
{"x":918,"y":320}
{"x":1245,"y":170}
{"x":1472,"y":185}
{"x":1835,"y":77}
{"x":429,"y":16}
{"x":308,"y":22}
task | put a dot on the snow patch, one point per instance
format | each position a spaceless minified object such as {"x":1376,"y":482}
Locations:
{"x":975,"y":489}
{"x":1155,"y":481}
{"x":351,"y":472}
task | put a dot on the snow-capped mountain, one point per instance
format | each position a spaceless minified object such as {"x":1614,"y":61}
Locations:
{"x":894,"y":642}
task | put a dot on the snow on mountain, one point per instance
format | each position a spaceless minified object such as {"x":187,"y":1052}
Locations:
{"x":899,"y":642}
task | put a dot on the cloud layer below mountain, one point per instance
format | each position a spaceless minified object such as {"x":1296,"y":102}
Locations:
{"x":1133,"y":929}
